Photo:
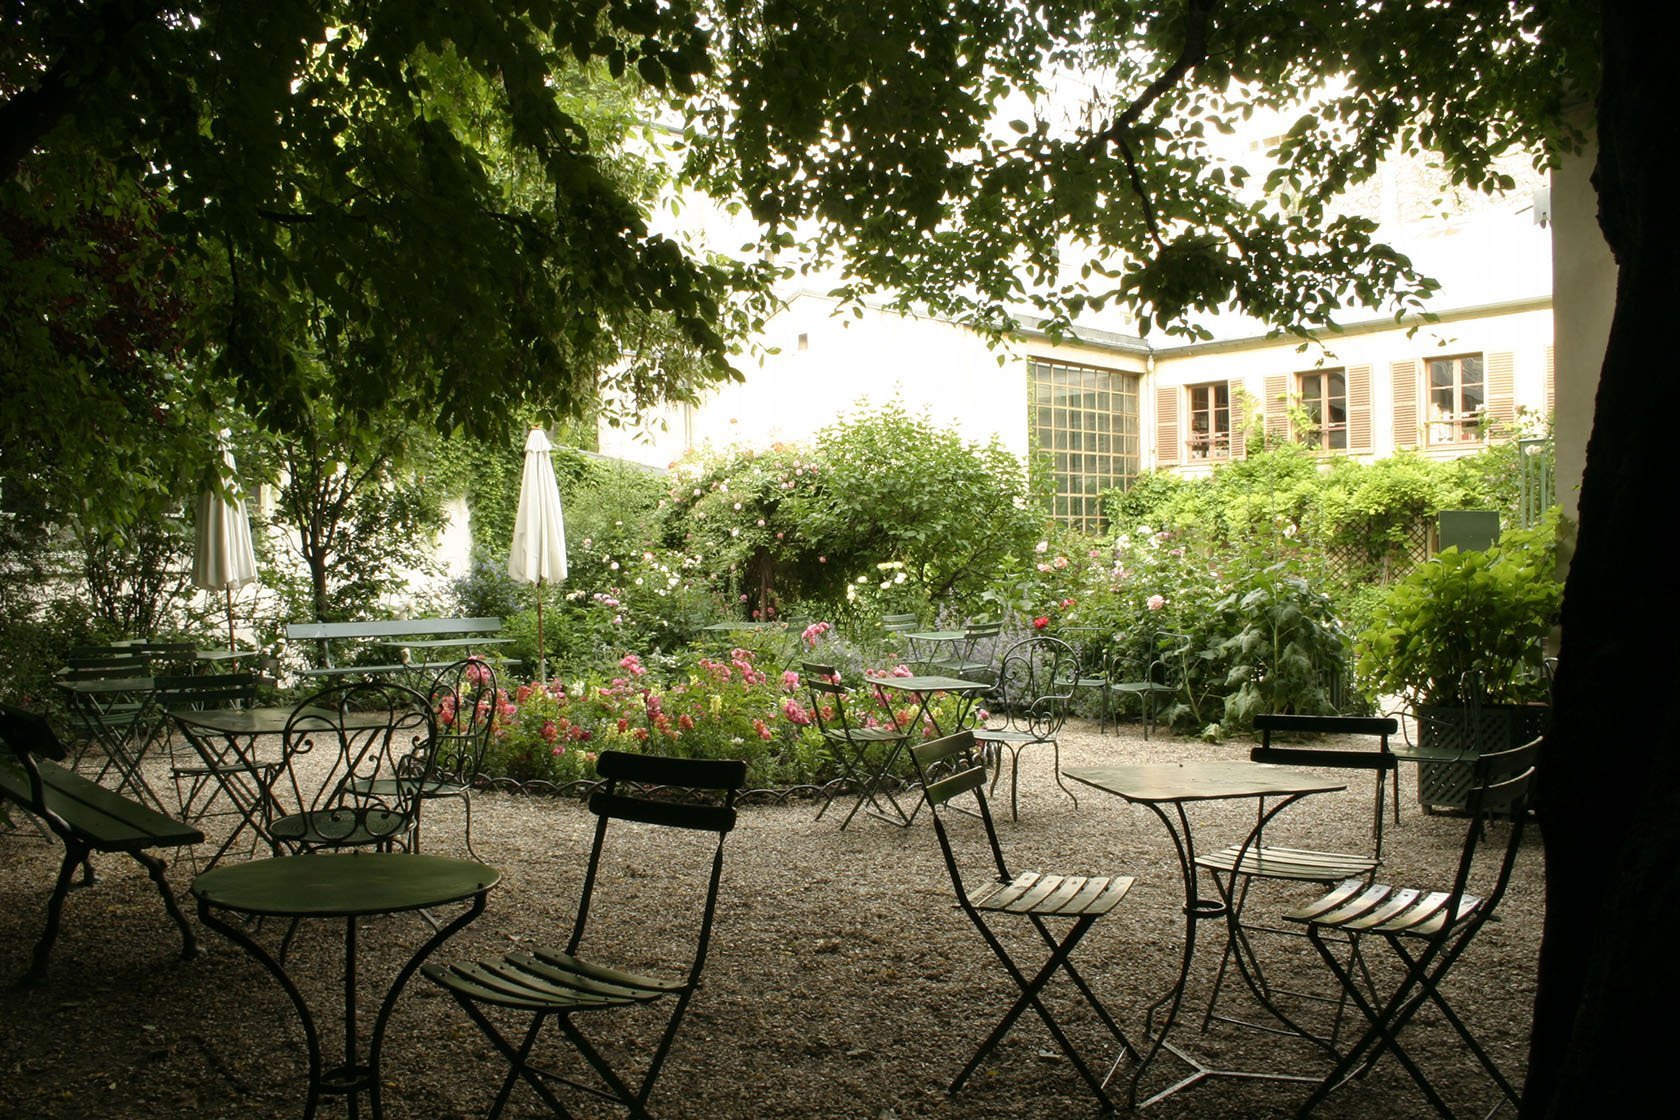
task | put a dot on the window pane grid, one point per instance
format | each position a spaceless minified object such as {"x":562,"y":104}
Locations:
{"x":1089,"y":418}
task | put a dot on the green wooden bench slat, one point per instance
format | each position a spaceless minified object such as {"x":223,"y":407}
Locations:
{"x":110,"y":821}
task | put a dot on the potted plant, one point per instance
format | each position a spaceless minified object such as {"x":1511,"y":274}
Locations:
{"x":1461,"y":640}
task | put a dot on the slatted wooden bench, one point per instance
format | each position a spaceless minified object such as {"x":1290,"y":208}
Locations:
{"x":87,"y":817}
{"x":425,"y":639}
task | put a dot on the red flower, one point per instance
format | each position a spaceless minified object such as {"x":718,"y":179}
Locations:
{"x":1041,"y":622}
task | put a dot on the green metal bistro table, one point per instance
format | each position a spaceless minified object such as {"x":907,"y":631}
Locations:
{"x":349,"y":886}
{"x":922,"y":689}
{"x":122,"y":715}
{"x":1165,"y":789}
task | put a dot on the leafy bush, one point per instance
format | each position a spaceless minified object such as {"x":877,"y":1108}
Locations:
{"x":1471,"y":621}
{"x":819,"y":524}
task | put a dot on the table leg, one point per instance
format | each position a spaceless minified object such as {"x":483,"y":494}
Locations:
{"x":1196,"y":909}
{"x":353,"y":1077}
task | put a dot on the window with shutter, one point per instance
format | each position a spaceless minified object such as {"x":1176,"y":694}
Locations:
{"x":1277,"y":408}
{"x":1501,"y":403}
{"x":1359,"y":408}
{"x":1208,"y":432}
{"x":1455,"y":394}
{"x":1551,"y":383}
{"x":1324,"y":402}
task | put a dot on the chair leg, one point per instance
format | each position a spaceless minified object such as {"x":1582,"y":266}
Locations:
{"x":1030,"y":990}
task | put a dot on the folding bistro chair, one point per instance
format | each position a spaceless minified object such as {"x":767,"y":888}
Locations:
{"x":1429,"y":930}
{"x":1237,"y":866}
{"x":1155,"y":681}
{"x":1027,"y":708}
{"x":214,"y":774}
{"x":558,"y":985}
{"x":949,"y":768}
{"x":852,"y":744}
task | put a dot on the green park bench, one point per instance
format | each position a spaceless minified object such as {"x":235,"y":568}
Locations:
{"x":430,"y":644}
{"x":86,"y":816}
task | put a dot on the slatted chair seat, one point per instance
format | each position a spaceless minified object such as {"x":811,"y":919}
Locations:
{"x":1303,"y":864}
{"x":1053,"y":896}
{"x":1403,"y":911}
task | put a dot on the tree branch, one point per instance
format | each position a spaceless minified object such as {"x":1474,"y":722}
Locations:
{"x":1198,"y":20}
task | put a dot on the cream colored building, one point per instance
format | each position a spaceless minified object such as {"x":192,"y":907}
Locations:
{"x":1107,"y":404}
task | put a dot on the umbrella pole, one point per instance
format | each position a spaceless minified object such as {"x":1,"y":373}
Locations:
{"x":231,"y":647}
{"x":542,"y":651}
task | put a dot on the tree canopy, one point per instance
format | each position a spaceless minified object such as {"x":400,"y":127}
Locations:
{"x":932,"y":143}
{"x":432,"y":210}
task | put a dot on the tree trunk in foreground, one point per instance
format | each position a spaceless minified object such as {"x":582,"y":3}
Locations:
{"x":1609,"y":976}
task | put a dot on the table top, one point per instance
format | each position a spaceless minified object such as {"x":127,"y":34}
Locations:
{"x":100,"y":686}
{"x":1200,"y":781}
{"x":930,"y":684}
{"x":936,"y":635}
{"x":241,"y":721}
{"x":343,"y":885}
{"x":742,"y":624}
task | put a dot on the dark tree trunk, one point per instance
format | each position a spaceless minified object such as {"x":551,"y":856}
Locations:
{"x":1609,"y":976}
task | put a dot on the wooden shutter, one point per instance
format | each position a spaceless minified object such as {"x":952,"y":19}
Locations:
{"x":1405,"y":378}
{"x":1277,"y":408}
{"x":1551,"y":383}
{"x":1501,"y":405}
{"x":1166,"y":426}
{"x":1359,"y":407}
{"x":1238,"y":418}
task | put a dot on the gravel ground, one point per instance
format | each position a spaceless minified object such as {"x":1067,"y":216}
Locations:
{"x":842,"y":981}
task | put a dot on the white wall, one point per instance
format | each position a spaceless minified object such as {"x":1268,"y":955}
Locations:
{"x":829,"y":366}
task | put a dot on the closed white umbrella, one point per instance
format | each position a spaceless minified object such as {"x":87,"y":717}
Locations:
{"x":223,"y":559}
{"x":539,"y":530}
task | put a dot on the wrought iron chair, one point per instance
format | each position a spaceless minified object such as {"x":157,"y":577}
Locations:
{"x":1236,"y":867}
{"x":949,"y":769}
{"x":862,"y":754}
{"x":1027,"y":707}
{"x":1156,"y":681}
{"x":464,"y":699}
{"x":344,"y":744}
{"x":557,"y":984}
{"x":1428,"y":929}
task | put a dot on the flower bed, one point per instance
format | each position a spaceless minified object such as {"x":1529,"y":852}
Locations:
{"x":718,"y":708}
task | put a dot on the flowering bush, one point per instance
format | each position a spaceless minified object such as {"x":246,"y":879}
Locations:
{"x":731,"y":706}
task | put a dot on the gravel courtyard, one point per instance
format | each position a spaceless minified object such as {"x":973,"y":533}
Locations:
{"x":843,"y":982}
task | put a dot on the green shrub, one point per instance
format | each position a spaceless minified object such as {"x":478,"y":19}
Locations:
{"x":1468,"y":626}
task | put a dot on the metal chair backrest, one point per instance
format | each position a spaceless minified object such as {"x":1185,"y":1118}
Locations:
{"x":948,"y":769}
{"x":1381,"y":760}
{"x":465,"y":702}
{"x":643,"y":788}
{"x":212,"y":690}
{"x":828,"y":699}
{"x":342,"y":746}
{"x":1503,"y":785}
{"x":1034,"y":687}
{"x":899,"y":623}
